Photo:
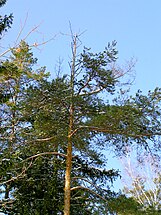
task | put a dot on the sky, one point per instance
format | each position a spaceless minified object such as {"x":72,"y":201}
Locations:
{"x":135,"y":25}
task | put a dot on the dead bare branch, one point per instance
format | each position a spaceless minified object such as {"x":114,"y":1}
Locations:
{"x":21,"y":30}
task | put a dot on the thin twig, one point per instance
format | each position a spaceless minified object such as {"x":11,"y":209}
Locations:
{"x":21,"y":30}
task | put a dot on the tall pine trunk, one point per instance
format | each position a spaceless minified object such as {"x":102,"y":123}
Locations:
{"x":67,"y":189}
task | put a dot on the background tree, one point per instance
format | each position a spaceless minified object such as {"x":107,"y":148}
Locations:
{"x":143,"y":181}
{"x":16,"y":76}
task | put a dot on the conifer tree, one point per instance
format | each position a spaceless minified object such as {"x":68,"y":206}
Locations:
{"x":15,"y":77}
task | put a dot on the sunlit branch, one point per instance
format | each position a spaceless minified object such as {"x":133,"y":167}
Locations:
{"x":92,"y":92}
{"x":91,"y":191}
{"x":5,"y":52}
{"x":45,"y":153}
{"x":86,"y":180}
{"x":115,"y":131}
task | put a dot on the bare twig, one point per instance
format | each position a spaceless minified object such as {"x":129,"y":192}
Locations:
{"x":21,"y":30}
{"x":5,"y":52}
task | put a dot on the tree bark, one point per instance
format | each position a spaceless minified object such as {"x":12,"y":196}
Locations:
{"x":67,"y":189}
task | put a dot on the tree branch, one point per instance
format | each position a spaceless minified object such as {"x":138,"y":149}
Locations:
{"x":31,"y":158}
{"x":91,"y":191}
{"x":45,"y":153}
{"x":86,"y":180}
{"x":92,"y":92}
{"x":115,"y":131}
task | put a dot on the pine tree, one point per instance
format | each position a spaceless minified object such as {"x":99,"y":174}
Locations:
{"x":82,"y":122}
{"x":15,"y":77}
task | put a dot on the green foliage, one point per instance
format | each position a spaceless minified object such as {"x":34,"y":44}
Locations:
{"x":41,"y":185}
{"x":15,"y":78}
{"x":5,"y":21}
{"x":124,"y":206}
{"x":97,"y":70}
{"x":2,"y":2}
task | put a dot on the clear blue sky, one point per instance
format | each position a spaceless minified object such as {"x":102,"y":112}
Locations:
{"x":135,"y":25}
